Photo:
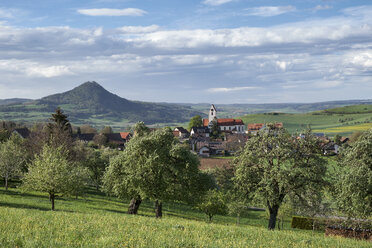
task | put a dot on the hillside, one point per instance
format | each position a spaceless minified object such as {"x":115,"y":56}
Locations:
{"x":91,"y":103}
{"x":13,"y":101}
{"x":344,"y":121}
{"x":96,"y":220}
{"x":233,"y":110}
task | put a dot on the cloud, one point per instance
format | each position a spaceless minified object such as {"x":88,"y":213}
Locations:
{"x":138,"y":29}
{"x":321,"y":7}
{"x":298,"y":58}
{"x":267,"y":11}
{"x":112,"y":12}
{"x":6,"y":13}
{"x":232,"y":89}
{"x":216,"y":2}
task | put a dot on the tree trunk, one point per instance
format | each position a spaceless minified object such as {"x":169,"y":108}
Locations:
{"x":158,"y":209}
{"x":134,"y":205}
{"x":273,"y":214}
{"x":6,"y":183}
{"x":210,"y":217}
{"x":238,"y":219}
{"x":52,"y":196}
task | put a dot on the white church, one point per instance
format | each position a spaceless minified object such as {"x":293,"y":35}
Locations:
{"x":224,"y":124}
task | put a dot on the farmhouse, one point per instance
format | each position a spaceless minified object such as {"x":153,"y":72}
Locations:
{"x":228,"y":125}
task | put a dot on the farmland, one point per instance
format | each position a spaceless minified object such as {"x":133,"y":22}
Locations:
{"x":342,"y":121}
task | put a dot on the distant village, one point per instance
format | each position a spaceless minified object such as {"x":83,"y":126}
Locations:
{"x":214,"y":137}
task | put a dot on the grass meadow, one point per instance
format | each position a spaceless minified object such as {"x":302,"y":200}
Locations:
{"x":97,"y":220}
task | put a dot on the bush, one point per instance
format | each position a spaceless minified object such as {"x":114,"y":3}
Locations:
{"x":308,"y":223}
{"x":302,"y":222}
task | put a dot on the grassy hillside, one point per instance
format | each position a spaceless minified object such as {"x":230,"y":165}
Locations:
{"x":342,"y":121}
{"x":100,"y":221}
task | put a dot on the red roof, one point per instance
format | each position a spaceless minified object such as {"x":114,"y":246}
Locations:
{"x":254,"y":126}
{"x":258,"y":126}
{"x":229,"y":122}
{"x":125,"y":135}
{"x":225,"y":122}
{"x":205,"y":122}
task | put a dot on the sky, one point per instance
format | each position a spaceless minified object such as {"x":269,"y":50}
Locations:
{"x":190,"y":51}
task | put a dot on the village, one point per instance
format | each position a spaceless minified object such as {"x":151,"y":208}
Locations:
{"x":213,"y":137}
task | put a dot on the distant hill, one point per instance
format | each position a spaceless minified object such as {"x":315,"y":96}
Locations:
{"x":233,"y":110}
{"x":91,"y":103}
{"x":13,"y":101}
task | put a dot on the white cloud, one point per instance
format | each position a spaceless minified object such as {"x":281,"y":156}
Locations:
{"x":232,"y":89}
{"x":112,"y":12}
{"x":216,"y":2}
{"x":267,"y":11}
{"x":138,"y":29}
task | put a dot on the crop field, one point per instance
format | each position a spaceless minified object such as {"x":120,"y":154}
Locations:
{"x":96,"y":220}
{"x":329,"y":123}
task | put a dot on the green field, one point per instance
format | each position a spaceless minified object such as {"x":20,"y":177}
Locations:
{"x":96,"y":220}
{"x":342,"y":121}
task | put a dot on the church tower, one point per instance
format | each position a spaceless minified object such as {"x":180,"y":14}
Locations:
{"x":212,"y":113}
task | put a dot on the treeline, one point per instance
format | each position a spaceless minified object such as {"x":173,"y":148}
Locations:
{"x":283,"y":173}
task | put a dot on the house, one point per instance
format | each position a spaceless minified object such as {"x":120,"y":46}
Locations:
{"x":199,"y":132}
{"x":224,"y":124}
{"x":22,"y":132}
{"x":126,"y":136}
{"x":85,"y":137}
{"x":254,"y":128}
{"x":182,"y":132}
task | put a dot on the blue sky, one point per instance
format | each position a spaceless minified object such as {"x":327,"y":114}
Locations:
{"x":212,"y":51}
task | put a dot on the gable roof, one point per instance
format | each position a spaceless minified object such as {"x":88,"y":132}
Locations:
{"x":125,"y":135}
{"x":258,"y":126}
{"x":23,"y":132}
{"x":181,"y":129}
{"x":225,"y":122}
{"x":229,"y":122}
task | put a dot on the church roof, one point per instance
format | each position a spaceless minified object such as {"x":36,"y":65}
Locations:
{"x":225,"y":122}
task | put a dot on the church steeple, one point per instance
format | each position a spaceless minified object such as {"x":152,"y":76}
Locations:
{"x":212,"y":113}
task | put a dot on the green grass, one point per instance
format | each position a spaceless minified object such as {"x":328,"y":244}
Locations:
{"x":96,"y":220}
{"x":329,"y":123}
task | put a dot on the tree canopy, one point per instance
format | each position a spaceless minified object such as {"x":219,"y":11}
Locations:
{"x":12,"y":158}
{"x":274,"y":165}
{"x":354,"y":184}
{"x":154,"y":166}
{"x":53,"y":173}
{"x":195,"y":121}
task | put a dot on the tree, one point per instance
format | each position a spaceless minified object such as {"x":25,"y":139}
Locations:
{"x":213,"y":203}
{"x":140,"y":129}
{"x":273,"y":165}
{"x":53,"y":173}
{"x":84,"y":129}
{"x":60,"y":122}
{"x":353,"y":190}
{"x":195,"y":121}
{"x":100,"y":139}
{"x":12,"y":158}
{"x":154,"y":166}
{"x":106,"y":130}
{"x":96,"y":161}
{"x":215,"y":130}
